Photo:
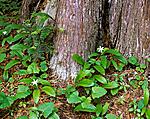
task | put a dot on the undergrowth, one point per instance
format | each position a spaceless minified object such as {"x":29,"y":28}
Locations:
{"x":24,"y":67}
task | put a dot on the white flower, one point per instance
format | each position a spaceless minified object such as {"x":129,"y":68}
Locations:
{"x":100,"y":49}
{"x":34,"y":82}
{"x":5,"y":32}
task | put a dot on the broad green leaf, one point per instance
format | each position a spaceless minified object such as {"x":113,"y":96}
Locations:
{"x":93,"y":55}
{"x":111,"y":116}
{"x":114,"y":64}
{"x":89,"y":108}
{"x":33,"y":68}
{"x":148,"y":113}
{"x":100,"y":69}
{"x":104,"y":61}
{"x":133,"y":60}
{"x":21,"y":72}
{"x":86,"y":83}
{"x":114,"y":52}
{"x":33,"y":115}
{"x":105,"y":108}
{"x":140,"y":104}
{"x":99,"y":109}
{"x":122,"y":59}
{"x":46,"y":108}
{"x":43,"y":66}
{"x":86,"y":65}
{"x":13,"y":26}
{"x":101,"y":79}
{"x":20,"y":47}
{"x":78,"y":59}
{"x":44,"y":75}
{"x":22,"y":117}
{"x":22,"y":92}
{"x":18,"y":37}
{"x":17,"y":53}
{"x":146,"y":96}
{"x":8,"y":39}
{"x":114,"y":91}
{"x":53,"y":116}
{"x":74,"y":98}
{"x":2,"y":57}
{"x":49,"y":91}
{"x":98,"y":92}
{"x":143,"y":66}
{"x":43,"y":82}
{"x":111,"y":85}
{"x":26,"y":80}
{"x":5,"y":75}
{"x":36,"y":95}
{"x":11,"y":64}
{"x":4,"y":102}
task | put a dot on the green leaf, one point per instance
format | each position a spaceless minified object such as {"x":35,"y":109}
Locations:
{"x":5,"y":75}
{"x":105,"y":108}
{"x":78,"y":59}
{"x":4,"y":102}
{"x":148,"y":113}
{"x":44,"y":75}
{"x":88,"y":108}
{"x":86,"y":83}
{"x":74,"y":97}
{"x":46,"y":108}
{"x":111,"y":85}
{"x":114,"y":52}
{"x":8,"y":39}
{"x":53,"y":116}
{"x":22,"y":117}
{"x":2,"y":57}
{"x":122,"y":59}
{"x":21,"y":72}
{"x":20,"y":47}
{"x":44,"y":82}
{"x":146,"y":96}
{"x":49,"y":91}
{"x":140,"y":104}
{"x":86,"y":65}
{"x":26,"y":80}
{"x":33,"y":115}
{"x":114,"y":91}
{"x":104,"y":61}
{"x":111,"y":116}
{"x":143,"y":66}
{"x":99,"y":109}
{"x":22,"y":92}
{"x":133,"y":60}
{"x":18,"y":37}
{"x":100,"y":69}
{"x":101,"y":79}
{"x":98,"y":92}
{"x":36,"y":95}
{"x":17,"y":53}
{"x":33,"y":68}
{"x":11,"y":64}
{"x":114,"y":64}
{"x":43,"y":66}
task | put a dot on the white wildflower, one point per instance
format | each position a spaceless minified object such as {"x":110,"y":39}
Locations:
{"x":34,"y":82}
{"x":100,"y":49}
{"x":5,"y":32}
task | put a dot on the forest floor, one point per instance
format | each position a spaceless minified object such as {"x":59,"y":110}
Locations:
{"x":119,"y":104}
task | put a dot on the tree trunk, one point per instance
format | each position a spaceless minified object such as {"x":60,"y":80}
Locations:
{"x":78,"y":18}
{"x":130,"y":27}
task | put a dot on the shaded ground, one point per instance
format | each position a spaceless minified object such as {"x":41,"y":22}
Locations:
{"x":119,"y":104}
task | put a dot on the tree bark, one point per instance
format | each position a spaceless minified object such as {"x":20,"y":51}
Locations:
{"x":130,"y":27}
{"x":79,"y":19}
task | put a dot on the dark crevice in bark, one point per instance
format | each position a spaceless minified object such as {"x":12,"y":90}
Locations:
{"x":105,"y":24}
